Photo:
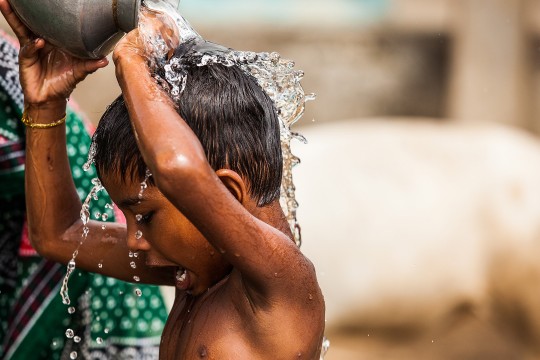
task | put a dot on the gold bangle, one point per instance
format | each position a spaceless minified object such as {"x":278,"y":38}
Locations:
{"x":29,"y":122}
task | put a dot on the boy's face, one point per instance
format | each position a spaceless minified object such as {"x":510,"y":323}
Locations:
{"x":167,"y":238}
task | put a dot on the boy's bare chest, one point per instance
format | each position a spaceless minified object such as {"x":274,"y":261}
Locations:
{"x":207,"y":328}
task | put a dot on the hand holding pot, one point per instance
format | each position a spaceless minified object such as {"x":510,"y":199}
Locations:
{"x":48,"y":75}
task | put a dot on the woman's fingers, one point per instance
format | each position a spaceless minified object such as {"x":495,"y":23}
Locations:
{"x":29,"y":51}
{"x":20,"y":30}
{"x":85,"y":67}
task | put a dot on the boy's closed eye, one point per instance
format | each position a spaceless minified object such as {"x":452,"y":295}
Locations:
{"x":143,"y":219}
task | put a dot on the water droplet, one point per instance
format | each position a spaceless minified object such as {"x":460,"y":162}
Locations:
{"x":103,"y":227}
{"x":97,"y":215}
{"x":310,"y":97}
{"x":99,"y":340}
{"x":136,"y":278}
{"x":77,"y":339}
{"x":275,"y":57}
{"x":104,"y":217}
{"x":91,"y":155}
{"x":144,"y":184}
{"x":310,"y":297}
{"x":69,"y":333}
{"x":71,"y":309}
{"x":130,"y":254}
{"x":71,"y":264}
{"x":138,"y":292}
{"x":108,"y":206}
{"x":138,"y":217}
{"x":138,"y":234}
{"x":133,"y":265}
{"x":73,"y":355}
{"x":325,"y":346}
{"x":100,"y":265}
{"x":106,"y":331}
{"x":136,"y":254}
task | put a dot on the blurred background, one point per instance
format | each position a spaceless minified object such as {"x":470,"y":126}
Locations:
{"x":420,"y":188}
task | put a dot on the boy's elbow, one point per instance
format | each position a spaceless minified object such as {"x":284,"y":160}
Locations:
{"x":172,"y":169}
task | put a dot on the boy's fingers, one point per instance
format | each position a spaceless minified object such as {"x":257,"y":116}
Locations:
{"x":20,"y":30}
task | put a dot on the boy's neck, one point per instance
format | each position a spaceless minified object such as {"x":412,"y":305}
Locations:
{"x":273,"y":215}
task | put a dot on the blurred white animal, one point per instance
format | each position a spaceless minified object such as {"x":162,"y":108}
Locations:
{"x":407,"y":221}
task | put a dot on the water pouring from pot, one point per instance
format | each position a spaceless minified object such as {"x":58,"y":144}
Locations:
{"x":83,"y":28}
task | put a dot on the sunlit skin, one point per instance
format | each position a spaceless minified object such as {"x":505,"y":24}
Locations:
{"x":247,"y":293}
{"x":168,"y":238}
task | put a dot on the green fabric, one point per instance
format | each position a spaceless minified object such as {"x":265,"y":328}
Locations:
{"x":112,"y":305}
{"x":12,"y":180}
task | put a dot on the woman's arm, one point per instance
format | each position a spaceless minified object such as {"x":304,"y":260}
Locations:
{"x":48,"y":76}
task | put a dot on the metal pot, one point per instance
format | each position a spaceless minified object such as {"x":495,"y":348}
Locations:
{"x":84,"y":28}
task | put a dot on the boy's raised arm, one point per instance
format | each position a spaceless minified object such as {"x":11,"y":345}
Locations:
{"x":269,"y":261}
{"x":48,"y":76}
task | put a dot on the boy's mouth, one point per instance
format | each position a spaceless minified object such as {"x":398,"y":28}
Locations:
{"x":182,"y":279}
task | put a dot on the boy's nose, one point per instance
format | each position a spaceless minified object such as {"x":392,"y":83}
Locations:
{"x":136,"y":240}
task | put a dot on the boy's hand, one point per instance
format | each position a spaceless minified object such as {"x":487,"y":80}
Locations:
{"x":154,"y":38}
{"x":47,"y":74}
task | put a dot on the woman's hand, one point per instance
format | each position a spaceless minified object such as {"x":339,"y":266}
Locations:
{"x":48,"y":75}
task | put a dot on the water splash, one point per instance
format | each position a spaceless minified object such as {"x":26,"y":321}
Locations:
{"x":164,"y":9}
{"x":156,"y":46}
{"x":276,"y":76}
{"x":325,"y":347}
{"x":85,"y":218}
{"x":144,"y":183}
{"x":91,"y":156}
{"x":279,"y":80}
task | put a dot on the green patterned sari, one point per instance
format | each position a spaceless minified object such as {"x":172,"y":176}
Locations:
{"x":110,"y":321}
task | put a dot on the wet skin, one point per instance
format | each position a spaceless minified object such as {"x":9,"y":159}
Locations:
{"x":213,"y":316}
{"x":247,"y":293}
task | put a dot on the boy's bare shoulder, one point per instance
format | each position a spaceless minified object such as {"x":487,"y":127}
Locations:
{"x":288,"y":314}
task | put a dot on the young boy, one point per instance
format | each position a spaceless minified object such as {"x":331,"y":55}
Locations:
{"x":210,"y":222}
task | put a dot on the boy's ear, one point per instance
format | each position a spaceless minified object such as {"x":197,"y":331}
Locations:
{"x":234,"y":183}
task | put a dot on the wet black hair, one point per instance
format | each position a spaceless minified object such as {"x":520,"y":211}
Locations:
{"x":234,"y":119}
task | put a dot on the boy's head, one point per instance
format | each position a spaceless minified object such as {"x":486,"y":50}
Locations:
{"x":233,"y":118}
